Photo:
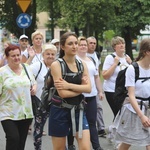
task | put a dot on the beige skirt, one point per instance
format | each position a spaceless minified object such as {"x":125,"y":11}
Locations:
{"x":127,"y":128}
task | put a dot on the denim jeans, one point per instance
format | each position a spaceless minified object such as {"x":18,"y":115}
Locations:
{"x":91,"y":114}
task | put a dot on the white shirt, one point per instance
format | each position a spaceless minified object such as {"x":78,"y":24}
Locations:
{"x":37,"y":57}
{"x":94,"y":56}
{"x":15,"y":96}
{"x":141,"y":89}
{"x":92,"y":72}
{"x":40,"y":79}
{"x":109,"y":84}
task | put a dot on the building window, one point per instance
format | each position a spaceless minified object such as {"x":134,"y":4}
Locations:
{"x":48,"y":36}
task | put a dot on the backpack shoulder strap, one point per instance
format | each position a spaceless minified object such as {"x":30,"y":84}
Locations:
{"x":48,"y":80}
{"x":136,"y":68}
{"x":79,"y":66}
{"x":38,"y":71}
{"x":114,"y":57}
{"x":64,"y":67}
{"x":92,"y":60}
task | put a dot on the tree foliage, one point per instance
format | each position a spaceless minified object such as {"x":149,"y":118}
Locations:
{"x":130,"y":18}
{"x":91,"y":17}
{"x":10,"y":11}
{"x":53,"y":9}
{"x":108,"y":35}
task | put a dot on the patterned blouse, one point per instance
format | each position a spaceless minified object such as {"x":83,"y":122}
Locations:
{"x":15,"y":98}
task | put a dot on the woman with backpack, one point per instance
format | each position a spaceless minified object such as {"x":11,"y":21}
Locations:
{"x":132,"y":125}
{"x":67,"y":110}
{"x":113,"y":64}
{"x":90,"y":98}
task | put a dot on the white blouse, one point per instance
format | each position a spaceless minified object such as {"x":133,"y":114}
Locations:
{"x":15,"y":97}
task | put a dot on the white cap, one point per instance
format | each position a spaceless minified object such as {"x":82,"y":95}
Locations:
{"x":54,"y":41}
{"x":23,"y":37}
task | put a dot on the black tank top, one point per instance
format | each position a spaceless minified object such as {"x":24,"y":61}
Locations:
{"x":76,"y":79}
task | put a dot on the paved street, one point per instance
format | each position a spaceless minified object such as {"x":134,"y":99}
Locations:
{"x":47,"y":145}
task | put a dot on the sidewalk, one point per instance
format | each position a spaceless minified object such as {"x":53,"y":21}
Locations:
{"x":47,"y":144}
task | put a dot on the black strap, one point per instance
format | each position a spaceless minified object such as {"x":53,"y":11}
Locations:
{"x":38,"y":71}
{"x":114,"y":57}
{"x":79,"y":66}
{"x":143,"y":99}
{"x":145,"y":79}
{"x":92,"y":60}
{"x":136,"y":69}
{"x":64,"y":66}
{"x":26,"y":71}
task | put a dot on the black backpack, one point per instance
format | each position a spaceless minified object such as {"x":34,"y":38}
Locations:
{"x":49,"y":89}
{"x":120,"y":89}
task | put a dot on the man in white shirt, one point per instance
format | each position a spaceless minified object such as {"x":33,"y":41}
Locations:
{"x":23,"y":42}
{"x":91,"y":52}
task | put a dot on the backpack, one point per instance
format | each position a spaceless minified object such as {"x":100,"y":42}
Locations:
{"x":49,"y":89}
{"x":120,"y":89}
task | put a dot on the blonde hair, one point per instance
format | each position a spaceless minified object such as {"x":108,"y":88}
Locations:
{"x":36,"y":33}
{"x":81,"y":38}
{"x":117,"y":40}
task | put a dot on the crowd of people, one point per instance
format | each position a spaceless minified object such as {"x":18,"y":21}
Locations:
{"x":79,"y":112}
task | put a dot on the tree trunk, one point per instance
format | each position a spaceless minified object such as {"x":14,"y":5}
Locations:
{"x":51,"y":4}
{"x":127,"y":36}
{"x":76,"y":30}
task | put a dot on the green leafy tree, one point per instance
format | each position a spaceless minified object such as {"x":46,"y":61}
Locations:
{"x":108,"y":35}
{"x":1,"y":11}
{"x":131,"y":17}
{"x":10,"y":11}
{"x":53,"y":8}
{"x":89,"y":16}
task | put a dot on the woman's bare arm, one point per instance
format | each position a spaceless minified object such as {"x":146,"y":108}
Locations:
{"x":66,"y":89}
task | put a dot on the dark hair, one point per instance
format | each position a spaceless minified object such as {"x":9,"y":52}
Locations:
{"x":144,"y":47}
{"x":63,"y":39}
{"x":11,"y":47}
